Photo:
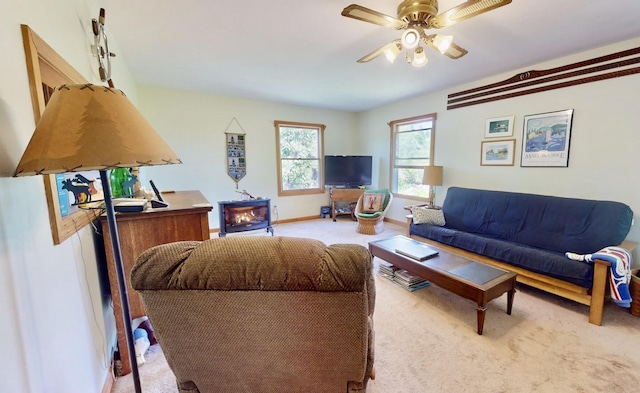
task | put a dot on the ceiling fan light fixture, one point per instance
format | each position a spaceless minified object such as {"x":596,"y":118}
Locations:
{"x":392,"y":52}
{"x":410,"y":38}
{"x":442,"y":42}
{"x":419,"y":58}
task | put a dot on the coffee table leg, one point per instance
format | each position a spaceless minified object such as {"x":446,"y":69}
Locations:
{"x":510,"y":295}
{"x":481,"y":312}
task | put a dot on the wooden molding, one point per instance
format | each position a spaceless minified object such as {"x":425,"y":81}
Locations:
{"x":46,"y":67}
{"x":568,"y":75}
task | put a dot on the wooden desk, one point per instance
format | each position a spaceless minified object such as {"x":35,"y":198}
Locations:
{"x":186,"y":218}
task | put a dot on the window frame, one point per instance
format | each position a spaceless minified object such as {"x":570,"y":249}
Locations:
{"x":45,"y":70}
{"x":294,"y":124}
{"x":393,"y":127}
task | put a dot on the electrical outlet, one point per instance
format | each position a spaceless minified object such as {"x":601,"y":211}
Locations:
{"x":275,"y":208}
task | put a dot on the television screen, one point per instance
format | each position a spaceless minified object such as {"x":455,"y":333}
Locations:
{"x":347,"y":171}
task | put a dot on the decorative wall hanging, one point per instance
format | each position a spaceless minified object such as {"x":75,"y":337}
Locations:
{"x":615,"y":65}
{"x":498,"y":152}
{"x":236,"y":148}
{"x":101,"y":48}
{"x":546,"y":139}
{"x":499,"y":127}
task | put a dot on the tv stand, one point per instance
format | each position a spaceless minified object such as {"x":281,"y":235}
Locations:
{"x":348,"y":195}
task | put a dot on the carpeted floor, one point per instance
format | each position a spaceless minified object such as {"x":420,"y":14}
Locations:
{"x":426,"y":340}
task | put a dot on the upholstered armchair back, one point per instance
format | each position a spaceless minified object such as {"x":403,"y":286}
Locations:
{"x":261,"y":314}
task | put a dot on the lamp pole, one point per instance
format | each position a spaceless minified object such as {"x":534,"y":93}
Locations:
{"x":122,"y":283}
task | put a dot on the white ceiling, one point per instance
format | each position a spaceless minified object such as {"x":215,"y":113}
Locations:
{"x":304,"y":52}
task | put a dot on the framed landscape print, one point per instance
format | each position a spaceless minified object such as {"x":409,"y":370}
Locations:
{"x":497,"y":152}
{"x":546,"y":138}
{"x":499,"y":127}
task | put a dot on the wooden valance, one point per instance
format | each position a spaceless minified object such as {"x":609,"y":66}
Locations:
{"x":529,"y":82}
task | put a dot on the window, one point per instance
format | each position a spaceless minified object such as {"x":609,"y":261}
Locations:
{"x":412,"y":145}
{"x":300,"y":158}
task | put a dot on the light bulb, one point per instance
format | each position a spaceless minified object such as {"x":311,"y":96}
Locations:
{"x":410,"y":38}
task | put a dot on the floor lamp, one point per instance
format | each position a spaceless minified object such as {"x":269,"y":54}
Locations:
{"x":90,"y":127}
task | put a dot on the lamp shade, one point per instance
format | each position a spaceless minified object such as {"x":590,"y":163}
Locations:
{"x":419,"y":58}
{"x":432,"y":176}
{"x":90,"y":127}
{"x":442,"y":42}
{"x":392,"y":51}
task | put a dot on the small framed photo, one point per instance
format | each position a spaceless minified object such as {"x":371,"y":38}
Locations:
{"x":546,"y":138}
{"x":498,"y":152}
{"x":499,"y":127}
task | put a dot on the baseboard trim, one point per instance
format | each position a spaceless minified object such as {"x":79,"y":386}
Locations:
{"x":397,"y":222}
{"x":108,"y":383}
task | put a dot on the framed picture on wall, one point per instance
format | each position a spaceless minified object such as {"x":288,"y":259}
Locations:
{"x":497,"y":152}
{"x":546,"y":138}
{"x":499,"y":127}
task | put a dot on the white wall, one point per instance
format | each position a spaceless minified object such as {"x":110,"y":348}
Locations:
{"x":194,"y":125}
{"x":52,"y":315}
{"x":603,"y":161}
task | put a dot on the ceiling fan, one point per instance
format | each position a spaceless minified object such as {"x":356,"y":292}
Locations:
{"x":415,"y":17}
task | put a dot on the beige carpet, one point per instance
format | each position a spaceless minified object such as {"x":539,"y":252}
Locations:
{"x":426,"y":340}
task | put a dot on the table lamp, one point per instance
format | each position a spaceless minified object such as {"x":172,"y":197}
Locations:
{"x":89,"y":127}
{"x":432,"y":177}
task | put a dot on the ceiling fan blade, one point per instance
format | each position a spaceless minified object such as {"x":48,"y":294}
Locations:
{"x":367,"y":15}
{"x":453,"y":51}
{"x":464,"y":11}
{"x":379,"y":51}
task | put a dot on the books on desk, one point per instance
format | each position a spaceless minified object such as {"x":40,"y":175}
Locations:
{"x":400,"y":277}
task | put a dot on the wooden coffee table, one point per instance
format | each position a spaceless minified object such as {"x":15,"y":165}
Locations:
{"x":462,"y":276}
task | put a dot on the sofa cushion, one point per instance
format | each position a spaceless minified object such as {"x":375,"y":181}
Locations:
{"x":372,"y":202}
{"x":536,"y":260}
{"x":425,"y":215}
{"x":546,"y":222}
{"x":385,"y":192}
{"x":369,"y":215}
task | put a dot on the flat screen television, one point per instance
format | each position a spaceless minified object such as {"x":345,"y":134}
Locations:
{"x":347,"y":171}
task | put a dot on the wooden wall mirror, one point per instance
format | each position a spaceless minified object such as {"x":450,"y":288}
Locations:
{"x":47,"y":69}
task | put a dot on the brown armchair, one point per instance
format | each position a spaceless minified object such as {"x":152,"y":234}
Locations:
{"x":261,"y":314}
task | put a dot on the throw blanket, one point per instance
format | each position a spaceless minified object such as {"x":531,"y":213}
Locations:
{"x":620,"y":275}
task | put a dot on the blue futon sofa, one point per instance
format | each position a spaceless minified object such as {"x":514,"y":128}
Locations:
{"x":529,"y":234}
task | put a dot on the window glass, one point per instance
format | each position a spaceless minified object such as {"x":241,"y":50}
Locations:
{"x":412,"y":149}
{"x":300,"y":158}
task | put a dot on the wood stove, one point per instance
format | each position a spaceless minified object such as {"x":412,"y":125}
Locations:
{"x":240,"y":216}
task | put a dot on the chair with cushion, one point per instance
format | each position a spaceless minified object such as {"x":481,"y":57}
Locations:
{"x":261,"y":314}
{"x":370,"y":211}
